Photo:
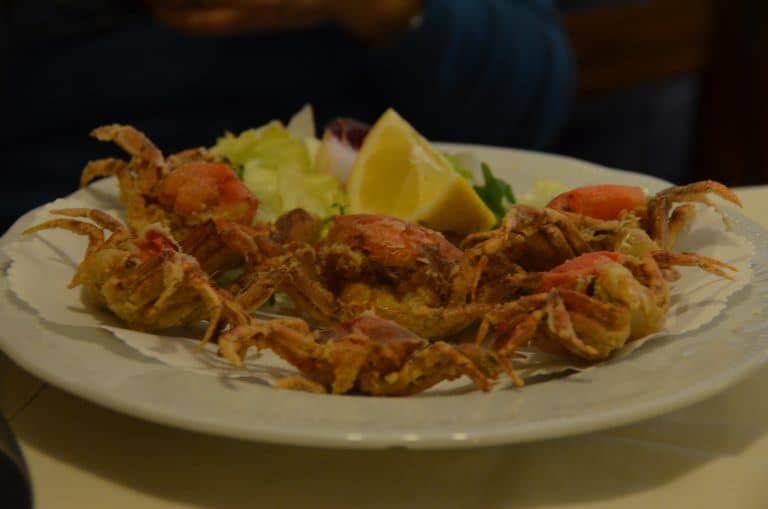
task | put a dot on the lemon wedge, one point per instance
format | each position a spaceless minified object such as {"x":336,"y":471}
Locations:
{"x":399,"y":173}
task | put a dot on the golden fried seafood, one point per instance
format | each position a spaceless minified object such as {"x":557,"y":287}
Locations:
{"x":143,"y":278}
{"x":402,"y":271}
{"x":539,"y":239}
{"x":656,"y":215}
{"x":368,"y":355}
{"x":262,"y":254}
{"x":221,"y":245}
{"x":182,"y":191}
{"x":600,"y":259}
{"x":589,"y":306}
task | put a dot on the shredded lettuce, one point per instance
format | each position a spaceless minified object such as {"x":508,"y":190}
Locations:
{"x":277,"y":167}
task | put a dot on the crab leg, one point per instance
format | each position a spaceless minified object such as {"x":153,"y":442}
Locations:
{"x":664,"y":229}
{"x":101,"y":168}
{"x":553,"y":314}
{"x":578,"y":315}
{"x":518,"y":307}
{"x":679,"y":220}
{"x":173,"y":278}
{"x":131,"y":140}
{"x":368,"y":354}
{"x":444,"y":321}
{"x":418,"y":373}
{"x":99,"y":217}
{"x":305,"y":289}
{"x":95,"y":235}
{"x":666,"y":259}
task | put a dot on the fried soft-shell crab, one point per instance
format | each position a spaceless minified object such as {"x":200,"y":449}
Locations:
{"x":368,"y":355}
{"x":588,"y":307}
{"x":182,"y":191}
{"x":143,"y":277}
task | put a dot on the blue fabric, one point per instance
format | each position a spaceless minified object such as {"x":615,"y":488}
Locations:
{"x":488,"y":71}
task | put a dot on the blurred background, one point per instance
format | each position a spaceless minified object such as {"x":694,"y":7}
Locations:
{"x":673,"y":88}
{"x":674,"y":85}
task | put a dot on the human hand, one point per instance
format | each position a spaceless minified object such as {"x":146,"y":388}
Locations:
{"x":223,"y":17}
{"x":365,"y":19}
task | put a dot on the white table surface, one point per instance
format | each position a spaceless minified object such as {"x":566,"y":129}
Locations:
{"x":713,"y":454}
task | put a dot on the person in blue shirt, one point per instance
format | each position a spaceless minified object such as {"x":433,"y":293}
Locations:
{"x":487,"y":71}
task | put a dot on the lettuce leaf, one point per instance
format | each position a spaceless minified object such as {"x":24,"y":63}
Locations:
{"x":277,"y":167}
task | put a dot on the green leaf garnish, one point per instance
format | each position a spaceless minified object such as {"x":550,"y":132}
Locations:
{"x":495,"y":193}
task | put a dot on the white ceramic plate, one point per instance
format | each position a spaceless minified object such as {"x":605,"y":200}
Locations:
{"x":664,"y":375}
